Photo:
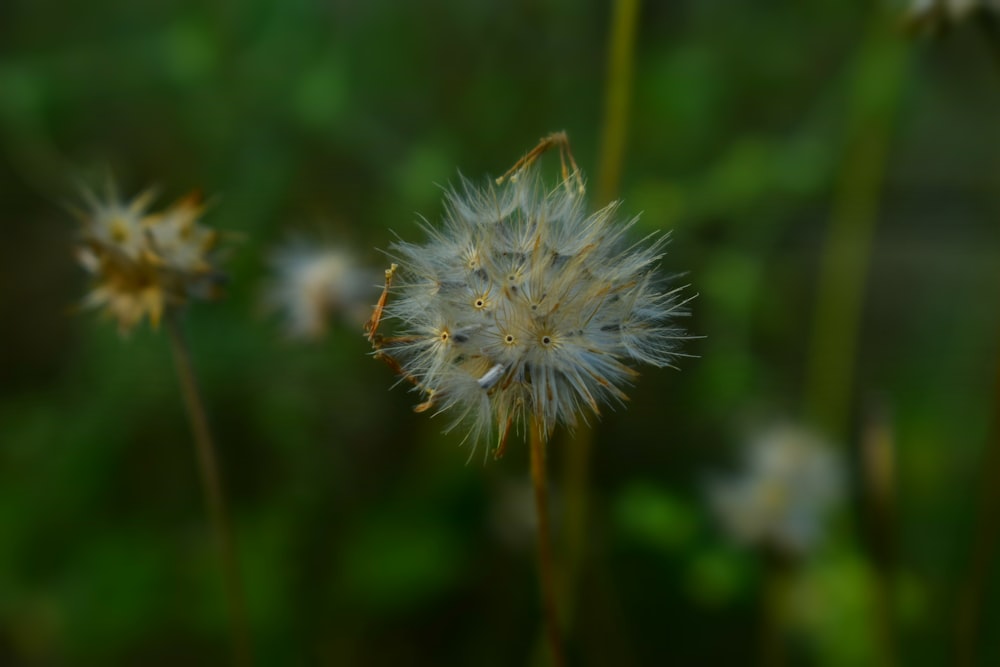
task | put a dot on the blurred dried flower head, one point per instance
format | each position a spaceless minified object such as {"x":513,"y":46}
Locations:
{"x":790,"y":482}
{"x":315,"y":283}
{"x":522,"y":306}
{"x":144,"y":262}
{"x":935,"y":14}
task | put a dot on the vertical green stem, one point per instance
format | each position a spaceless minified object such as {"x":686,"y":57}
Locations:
{"x":212,"y":487}
{"x":546,"y":568}
{"x":875,"y":96}
{"x":618,"y":95}
{"x":874,"y":102}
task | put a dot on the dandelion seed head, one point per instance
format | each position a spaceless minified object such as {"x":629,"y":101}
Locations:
{"x":315,"y":283}
{"x":790,"y":482}
{"x":145,"y":262}
{"x":521,"y":304}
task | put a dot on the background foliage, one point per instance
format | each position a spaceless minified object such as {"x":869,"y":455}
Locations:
{"x":365,"y":535}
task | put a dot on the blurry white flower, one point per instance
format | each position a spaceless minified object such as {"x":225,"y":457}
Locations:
{"x":316,"y":283}
{"x":145,"y":262}
{"x":522,"y":306}
{"x":790,"y":482}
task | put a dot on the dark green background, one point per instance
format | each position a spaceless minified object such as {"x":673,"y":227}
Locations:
{"x":366,"y":537}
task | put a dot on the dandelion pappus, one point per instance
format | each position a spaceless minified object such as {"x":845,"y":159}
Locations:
{"x":523,"y":305}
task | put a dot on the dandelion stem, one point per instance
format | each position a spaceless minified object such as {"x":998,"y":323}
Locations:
{"x":618,"y":95}
{"x":546,"y":569}
{"x":212,"y":487}
{"x":874,"y":101}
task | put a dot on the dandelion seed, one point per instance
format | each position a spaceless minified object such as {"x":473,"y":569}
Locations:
{"x":790,"y":482}
{"x":146,"y":263}
{"x":523,"y":306}
{"x":316,"y":283}
{"x":491,"y":377}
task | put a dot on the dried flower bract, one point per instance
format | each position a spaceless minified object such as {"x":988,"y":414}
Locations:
{"x":145,"y":262}
{"x":523,"y":307}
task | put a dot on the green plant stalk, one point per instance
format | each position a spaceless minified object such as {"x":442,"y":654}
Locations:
{"x":618,"y":95}
{"x":874,"y":102}
{"x":214,"y":497}
{"x":546,"y":564}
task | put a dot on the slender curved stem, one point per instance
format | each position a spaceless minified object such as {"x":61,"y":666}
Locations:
{"x":874,"y":101}
{"x":875,"y":96}
{"x":618,"y":95}
{"x":617,"y":100}
{"x":546,"y":569}
{"x":214,"y":497}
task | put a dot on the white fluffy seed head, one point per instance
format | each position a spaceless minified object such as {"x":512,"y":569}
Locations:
{"x":522,"y":306}
{"x":790,"y":482}
{"x":314,"y":283}
{"x":145,"y":262}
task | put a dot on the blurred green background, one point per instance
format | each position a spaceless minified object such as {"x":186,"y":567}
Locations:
{"x":366,"y":536}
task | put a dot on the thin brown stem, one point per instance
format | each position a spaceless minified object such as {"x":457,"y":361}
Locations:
{"x":546,"y":569}
{"x":214,"y":497}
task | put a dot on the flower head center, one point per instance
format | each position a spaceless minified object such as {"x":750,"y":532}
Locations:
{"x":119,"y":230}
